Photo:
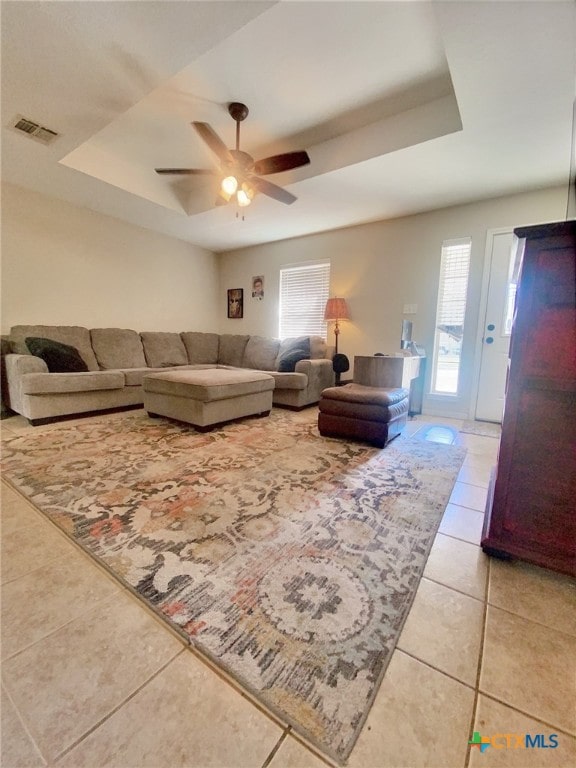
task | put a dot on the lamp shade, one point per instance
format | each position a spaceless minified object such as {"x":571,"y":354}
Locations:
{"x":336,"y":309}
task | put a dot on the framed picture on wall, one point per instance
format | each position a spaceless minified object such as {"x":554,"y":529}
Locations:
{"x":235,"y":302}
{"x":258,"y":287}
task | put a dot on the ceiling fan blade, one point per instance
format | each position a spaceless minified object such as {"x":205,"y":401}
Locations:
{"x":186,"y":171}
{"x":209,"y":135}
{"x":284,"y":162}
{"x":272,"y":190}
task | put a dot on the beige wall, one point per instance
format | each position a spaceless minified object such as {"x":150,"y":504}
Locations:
{"x":379,"y":267}
{"x":67,"y":265}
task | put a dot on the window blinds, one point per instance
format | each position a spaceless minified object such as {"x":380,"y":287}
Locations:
{"x":304,"y":291}
{"x":451,"y":309}
{"x":453,"y":282}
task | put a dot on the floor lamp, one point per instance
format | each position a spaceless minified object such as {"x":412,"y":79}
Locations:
{"x":336,"y":310}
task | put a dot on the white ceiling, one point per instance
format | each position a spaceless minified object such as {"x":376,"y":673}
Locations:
{"x":402,"y":106}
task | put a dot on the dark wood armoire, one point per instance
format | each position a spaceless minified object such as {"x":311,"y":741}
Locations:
{"x":531,"y":508}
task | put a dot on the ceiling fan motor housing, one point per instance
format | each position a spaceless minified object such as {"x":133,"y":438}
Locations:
{"x":237,"y":111}
{"x":242,"y":160}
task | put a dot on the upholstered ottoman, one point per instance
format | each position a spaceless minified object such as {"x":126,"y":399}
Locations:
{"x":204,"y":398}
{"x":373,"y":414}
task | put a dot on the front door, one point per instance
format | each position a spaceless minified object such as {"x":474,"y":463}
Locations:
{"x":497,"y":325}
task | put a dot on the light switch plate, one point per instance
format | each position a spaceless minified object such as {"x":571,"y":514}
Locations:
{"x":410,"y":309}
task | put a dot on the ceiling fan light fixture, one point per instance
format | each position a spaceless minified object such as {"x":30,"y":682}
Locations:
{"x":243,"y":198}
{"x":229,"y":185}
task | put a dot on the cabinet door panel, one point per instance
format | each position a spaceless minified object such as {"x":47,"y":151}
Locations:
{"x":550,"y":317}
{"x":541,"y":494}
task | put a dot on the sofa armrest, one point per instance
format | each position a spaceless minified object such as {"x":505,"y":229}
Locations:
{"x":16,"y":367}
{"x":320,"y":376}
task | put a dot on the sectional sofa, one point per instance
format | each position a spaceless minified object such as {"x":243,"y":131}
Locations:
{"x":117,"y":360}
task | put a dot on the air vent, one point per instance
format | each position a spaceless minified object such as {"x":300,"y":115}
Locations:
{"x":33,"y":130}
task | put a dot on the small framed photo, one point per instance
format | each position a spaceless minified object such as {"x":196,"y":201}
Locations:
{"x":258,"y":287}
{"x":235,"y":302}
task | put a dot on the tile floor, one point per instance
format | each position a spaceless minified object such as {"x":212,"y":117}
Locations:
{"x":488,"y":646}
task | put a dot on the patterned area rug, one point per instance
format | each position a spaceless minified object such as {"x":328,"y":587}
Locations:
{"x":482,"y":428}
{"x":288,"y":559}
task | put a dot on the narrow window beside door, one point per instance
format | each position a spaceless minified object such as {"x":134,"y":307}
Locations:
{"x":304,"y":290}
{"x":452,"y":291}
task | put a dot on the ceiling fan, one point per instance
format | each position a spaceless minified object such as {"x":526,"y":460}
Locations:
{"x":240,"y":172}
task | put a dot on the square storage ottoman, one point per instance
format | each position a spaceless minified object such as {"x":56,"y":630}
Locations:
{"x":373,"y":414}
{"x":208,"y":397}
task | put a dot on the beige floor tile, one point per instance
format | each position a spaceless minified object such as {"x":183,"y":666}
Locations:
{"x":470,"y":496}
{"x":36,"y":604}
{"x":64,"y":685}
{"x":16,"y":512}
{"x":480,"y":462}
{"x":26,"y":549}
{"x":535,"y":593}
{"x":444,"y":629}
{"x":204,"y":722}
{"x":475,"y":475}
{"x":17,"y":750}
{"x":420,"y":718}
{"x":530,"y":667}
{"x":7,"y":493}
{"x":494,"y":718}
{"x":293,"y":754}
{"x":462,"y":523}
{"x":478,"y":444}
{"x":459,"y":565}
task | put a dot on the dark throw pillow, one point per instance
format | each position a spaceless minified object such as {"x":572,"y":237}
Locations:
{"x":60,"y":358}
{"x":293,"y":355}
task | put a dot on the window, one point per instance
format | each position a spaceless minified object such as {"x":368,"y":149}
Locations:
{"x":513,"y":273}
{"x":304,"y":290}
{"x":450,"y":313}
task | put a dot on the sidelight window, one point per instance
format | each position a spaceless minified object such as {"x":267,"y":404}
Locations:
{"x":451,"y":309}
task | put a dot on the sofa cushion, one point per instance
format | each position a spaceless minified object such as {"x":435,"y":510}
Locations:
{"x":318,"y":348}
{"x":117,"y":348}
{"x":300,"y":350}
{"x":163,"y":349}
{"x":201,"y":347}
{"x":289,"y":380}
{"x":231,"y":349}
{"x":261,"y":353}
{"x":61,"y":383}
{"x":60,"y":358}
{"x":73,"y":335}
